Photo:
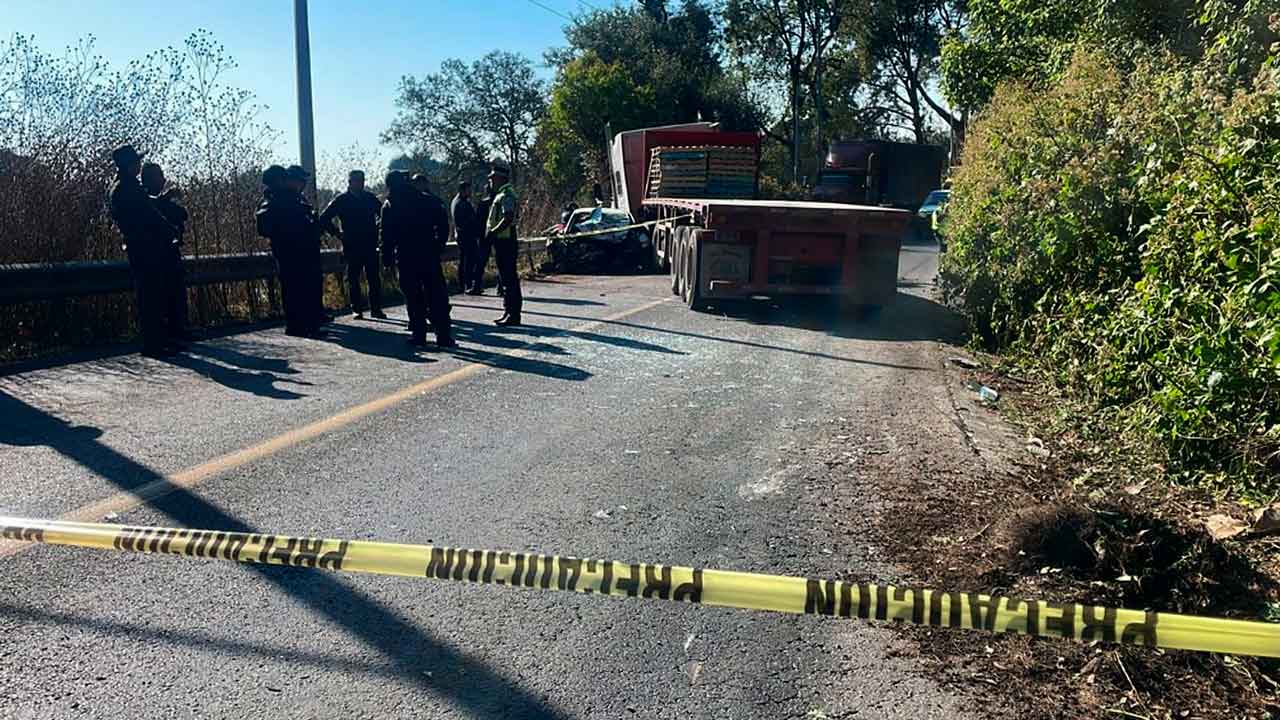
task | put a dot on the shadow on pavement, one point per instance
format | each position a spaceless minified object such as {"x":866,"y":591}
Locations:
{"x":240,"y":354}
{"x":560,"y":301}
{"x":258,"y":382}
{"x":520,"y":364}
{"x":910,"y":318}
{"x":408,"y":649}
{"x":202,"y":641}
{"x":486,"y":334}
{"x":386,"y":342}
{"x":371,"y":341}
{"x":123,"y":350}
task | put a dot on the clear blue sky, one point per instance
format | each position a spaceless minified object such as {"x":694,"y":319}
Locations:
{"x":359,"y":49}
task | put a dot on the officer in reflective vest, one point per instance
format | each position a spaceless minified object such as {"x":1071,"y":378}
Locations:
{"x":500,"y":230}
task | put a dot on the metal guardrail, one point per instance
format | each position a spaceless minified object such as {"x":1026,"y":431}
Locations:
{"x":51,"y":281}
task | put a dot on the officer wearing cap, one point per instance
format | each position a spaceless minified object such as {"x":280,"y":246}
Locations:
{"x":166,"y":201}
{"x":500,"y":228}
{"x":357,"y":210}
{"x":149,"y":240}
{"x":415,"y":228}
{"x":290,"y":223}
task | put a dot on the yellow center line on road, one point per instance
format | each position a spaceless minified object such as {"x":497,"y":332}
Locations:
{"x":185,"y":479}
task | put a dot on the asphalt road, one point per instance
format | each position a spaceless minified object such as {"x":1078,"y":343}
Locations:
{"x":617,"y":424}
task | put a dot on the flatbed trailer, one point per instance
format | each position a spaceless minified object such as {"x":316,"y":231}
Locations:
{"x":717,"y":249}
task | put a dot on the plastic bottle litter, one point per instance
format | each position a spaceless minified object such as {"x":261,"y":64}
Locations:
{"x":987,"y":394}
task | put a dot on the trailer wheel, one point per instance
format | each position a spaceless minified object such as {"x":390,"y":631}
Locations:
{"x":675,"y":251}
{"x":661,"y":235}
{"x":692,"y":287}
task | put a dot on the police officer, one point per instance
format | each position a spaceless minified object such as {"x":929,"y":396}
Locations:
{"x":466,"y":232}
{"x":166,"y":201}
{"x":357,"y":210}
{"x":501,"y":231}
{"x":290,"y":223}
{"x":149,"y":240}
{"x":415,"y":228}
{"x":484,"y":245}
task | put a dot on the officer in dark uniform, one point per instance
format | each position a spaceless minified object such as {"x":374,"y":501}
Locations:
{"x":484,"y":244}
{"x":166,"y":201}
{"x":357,"y":210}
{"x":415,"y":228}
{"x":149,"y":240}
{"x":466,"y":232}
{"x":290,"y":223}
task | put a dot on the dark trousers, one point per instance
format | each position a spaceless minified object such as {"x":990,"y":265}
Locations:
{"x":426,"y":296}
{"x":484,"y":248}
{"x":364,"y":260}
{"x":151,"y":287}
{"x":301,"y":289}
{"x":176,"y":307}
{"x":469,"y":274}
{"x":508,"y":251}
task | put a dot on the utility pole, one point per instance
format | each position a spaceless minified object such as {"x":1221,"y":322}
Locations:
{"x":306,"y":121}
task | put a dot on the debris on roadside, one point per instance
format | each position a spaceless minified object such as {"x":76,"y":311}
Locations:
{"x":986,"y":394}
{"x":1266,"y":520}
{"x":1036,"y":447}
{"x":964,"y":362}
{"x":1222,"y":527}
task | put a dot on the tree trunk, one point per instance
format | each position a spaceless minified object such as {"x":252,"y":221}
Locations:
{"x":917,"y":115}
{"x":819,"y":141}
{"x":795,"y":123}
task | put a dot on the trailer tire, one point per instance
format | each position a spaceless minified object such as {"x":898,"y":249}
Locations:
{"x":692,"y":293}
{"x":675,"y":251}
{"x":661,"y":261}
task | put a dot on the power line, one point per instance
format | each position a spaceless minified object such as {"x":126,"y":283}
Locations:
{"x":551,"y":10}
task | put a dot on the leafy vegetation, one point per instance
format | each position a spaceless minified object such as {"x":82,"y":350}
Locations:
{"x":1116,"y":218}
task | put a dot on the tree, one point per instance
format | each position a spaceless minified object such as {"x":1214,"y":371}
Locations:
{"x":467,"y":113}
{"x":789,"y":41}
{"x":900,"y":44}
{"x":634,"y":66}
{"x":677,"y":55}
{"x":588,"y":95}
{"x":1034,"y":40}
{"x":1022,"y":39}
{"x":771,"y":36}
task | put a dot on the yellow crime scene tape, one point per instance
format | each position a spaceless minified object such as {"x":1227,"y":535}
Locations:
{"x":609,"y":231}
{"x":747,"y":591}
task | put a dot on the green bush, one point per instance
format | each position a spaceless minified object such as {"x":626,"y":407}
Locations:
{"x":1119,"y":228}
{"x":1045,"y":201}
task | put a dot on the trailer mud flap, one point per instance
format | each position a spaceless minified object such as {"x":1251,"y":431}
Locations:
{"x":725,"y":264}
{"x":877,"y":273}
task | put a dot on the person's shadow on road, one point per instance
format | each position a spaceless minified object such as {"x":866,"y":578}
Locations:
{"x":257,"y":382}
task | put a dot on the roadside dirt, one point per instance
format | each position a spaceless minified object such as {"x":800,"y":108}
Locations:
{"x":1042,"y":510}
{"x":1004,"y":497}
